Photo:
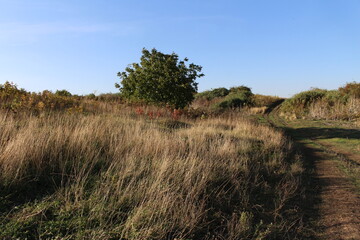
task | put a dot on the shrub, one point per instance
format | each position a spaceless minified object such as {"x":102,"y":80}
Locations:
{"x":11,"y":97}
{"x":333,"y":96}
{"x":351,"y":89}
{"x":211,"y":94}
{"x":15,"y":99}
{"x":90,"y":96}
{"x":63,"y":93}
{"x":324,"y":104}
{"x":241,"y":88}
{"x":263,"y":100}
{"x":237,"y":98}
{"x":300,"y":102}
{"x":307,"y":97}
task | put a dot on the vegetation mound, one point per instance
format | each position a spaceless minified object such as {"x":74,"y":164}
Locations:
{"x":220,"y":100}
{"x":341,"y":104}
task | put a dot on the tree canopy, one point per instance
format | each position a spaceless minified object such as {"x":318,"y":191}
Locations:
{"x":161,"y":79}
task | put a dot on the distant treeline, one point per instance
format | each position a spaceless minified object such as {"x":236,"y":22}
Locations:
{"x":343,"y":103}
{"x":214,"y":101}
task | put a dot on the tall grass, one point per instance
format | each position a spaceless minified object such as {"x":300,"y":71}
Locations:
{"x":118,"y":177}
{"x":341,"y":104}
{"x":338,"y":110}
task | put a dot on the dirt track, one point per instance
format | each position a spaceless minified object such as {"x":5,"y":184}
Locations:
{"x":339,"y":206}
{"x":335,"y":213}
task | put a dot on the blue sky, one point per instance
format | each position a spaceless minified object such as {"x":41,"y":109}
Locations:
{"x":276,"y":47}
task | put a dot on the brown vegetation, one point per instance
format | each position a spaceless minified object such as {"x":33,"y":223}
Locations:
{"x":129,"y":176}
{"x":341,"y":104}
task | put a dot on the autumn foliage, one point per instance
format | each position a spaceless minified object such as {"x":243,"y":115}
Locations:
{"x":14,"y":99}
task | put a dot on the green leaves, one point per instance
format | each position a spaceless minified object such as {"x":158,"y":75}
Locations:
{"x":161,"y":79}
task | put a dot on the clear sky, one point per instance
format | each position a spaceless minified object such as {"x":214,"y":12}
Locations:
{"x":276,"y":47}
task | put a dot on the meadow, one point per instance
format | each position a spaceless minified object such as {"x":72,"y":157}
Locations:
{"x":126,"y":174}
{"x":98,"y":167}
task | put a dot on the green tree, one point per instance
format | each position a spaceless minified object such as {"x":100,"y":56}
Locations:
{"x":161,"y":79}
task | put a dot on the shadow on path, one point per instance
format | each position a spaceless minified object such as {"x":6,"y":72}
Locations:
{"x":312,"y":188}
{"x":272,"y":106}
{"x":331,"y":209}
{"x":323,"y":133}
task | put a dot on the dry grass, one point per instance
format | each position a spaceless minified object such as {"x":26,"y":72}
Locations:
{"x":264,"y":100}
{"x":321,"y":110}
{"x":120,"y":177}
{"x":257,"y":110}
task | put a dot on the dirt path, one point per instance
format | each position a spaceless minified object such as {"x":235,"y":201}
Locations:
{"x":335,"y":212}
{"x":352,"y":156}
{"x":339,"y":206}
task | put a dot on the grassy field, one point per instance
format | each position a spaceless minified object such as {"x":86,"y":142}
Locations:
{"x":125,"y":176}
{"x":96,"y":167}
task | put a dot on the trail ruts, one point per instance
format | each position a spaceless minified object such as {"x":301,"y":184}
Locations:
{"x":332,"y":206}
